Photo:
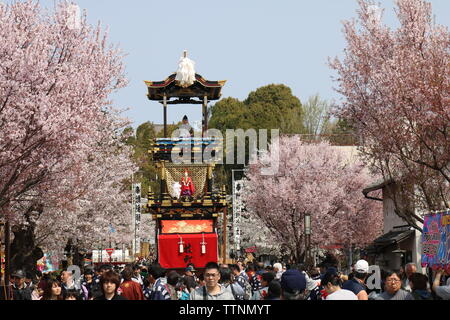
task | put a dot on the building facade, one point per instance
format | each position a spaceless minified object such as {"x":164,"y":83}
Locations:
{"x":400,"y":243}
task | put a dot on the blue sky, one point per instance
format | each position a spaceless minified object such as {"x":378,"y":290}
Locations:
{"x":250,"y":43}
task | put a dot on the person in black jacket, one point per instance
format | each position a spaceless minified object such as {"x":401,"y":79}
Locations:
{"x":95,"y":288}
{"x":89,"y":282}
{"x":20,"y":290}
{"x":110,"y":282}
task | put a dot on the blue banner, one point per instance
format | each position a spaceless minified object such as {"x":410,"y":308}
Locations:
{"x":436,"y":241}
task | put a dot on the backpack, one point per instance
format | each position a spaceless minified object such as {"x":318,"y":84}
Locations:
{"x":248,"y":292}
{"x":235,"y":295}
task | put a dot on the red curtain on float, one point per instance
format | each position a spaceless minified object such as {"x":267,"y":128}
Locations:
{"x":171,"y":257}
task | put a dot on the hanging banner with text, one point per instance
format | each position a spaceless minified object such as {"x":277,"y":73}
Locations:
{"x":436,"y":241}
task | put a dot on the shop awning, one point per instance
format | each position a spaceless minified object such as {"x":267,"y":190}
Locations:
{"x":390,"y":238}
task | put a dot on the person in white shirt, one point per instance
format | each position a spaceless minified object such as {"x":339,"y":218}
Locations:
{"x":332,"y":283}
{"x":278,"y":269}
{"x":410,"y":268}
{"x":185,"y":130}
{"x":137,"y":275}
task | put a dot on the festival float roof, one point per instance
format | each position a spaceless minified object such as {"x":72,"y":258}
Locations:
{"x":201,"y":88}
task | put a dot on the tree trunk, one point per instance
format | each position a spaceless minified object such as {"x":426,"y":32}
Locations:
{"x":24,"y":252}
{"x":78,"y":257}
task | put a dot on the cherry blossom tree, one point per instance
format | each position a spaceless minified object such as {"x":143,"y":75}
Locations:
{"x":54,"y":87}
{"x":62,"y":159}
{"x":396,"y":89}
{"x":315,"y":179}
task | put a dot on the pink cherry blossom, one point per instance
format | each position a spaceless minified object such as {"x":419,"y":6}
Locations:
{"x":62,"y":159}
{"x":397,"y":96}
{"x":314,"y":179}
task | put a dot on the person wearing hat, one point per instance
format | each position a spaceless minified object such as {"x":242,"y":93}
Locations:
{"x":357,"y":283}
{"x":293,"y":285}
{"x":19,"y":288}
{"x":185,"y":129}
{"x":323,"y":293}
{"x":189,"y":271}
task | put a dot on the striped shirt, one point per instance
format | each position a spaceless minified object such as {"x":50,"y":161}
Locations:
{"x":159,"y":290}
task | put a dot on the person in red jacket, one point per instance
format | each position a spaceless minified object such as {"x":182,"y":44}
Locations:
{"x":130,"y":289}
{"x":187,"y":186}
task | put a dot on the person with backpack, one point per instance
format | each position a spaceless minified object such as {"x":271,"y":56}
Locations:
{"x":227,"y":281}
{"x":241,"y":279}
{"x":212,"y":290}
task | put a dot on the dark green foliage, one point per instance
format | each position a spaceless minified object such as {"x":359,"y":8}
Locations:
{"x":269,"y":107}
{"x":343,"y":127}
{"x":141,"y":143}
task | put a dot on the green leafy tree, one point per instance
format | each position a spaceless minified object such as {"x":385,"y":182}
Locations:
{"x":141,"y":140}
{"x":269,"y":107}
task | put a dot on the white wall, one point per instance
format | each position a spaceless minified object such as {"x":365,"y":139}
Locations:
{"x":391,"y":219}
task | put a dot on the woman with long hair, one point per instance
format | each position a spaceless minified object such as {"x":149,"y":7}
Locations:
{"x":52,"y":290}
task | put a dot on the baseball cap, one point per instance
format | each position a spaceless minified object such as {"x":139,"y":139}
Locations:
{"x":191,"y":269}
{"x":292,"y":280}
{"x":362,"y":266}
{"x":328,"y":272}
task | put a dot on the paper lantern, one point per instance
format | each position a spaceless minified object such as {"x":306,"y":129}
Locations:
{"x":181,"y":245}
{"x":203,"y":244}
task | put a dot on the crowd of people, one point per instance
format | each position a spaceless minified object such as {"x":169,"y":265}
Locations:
{"x":250,"y":281}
